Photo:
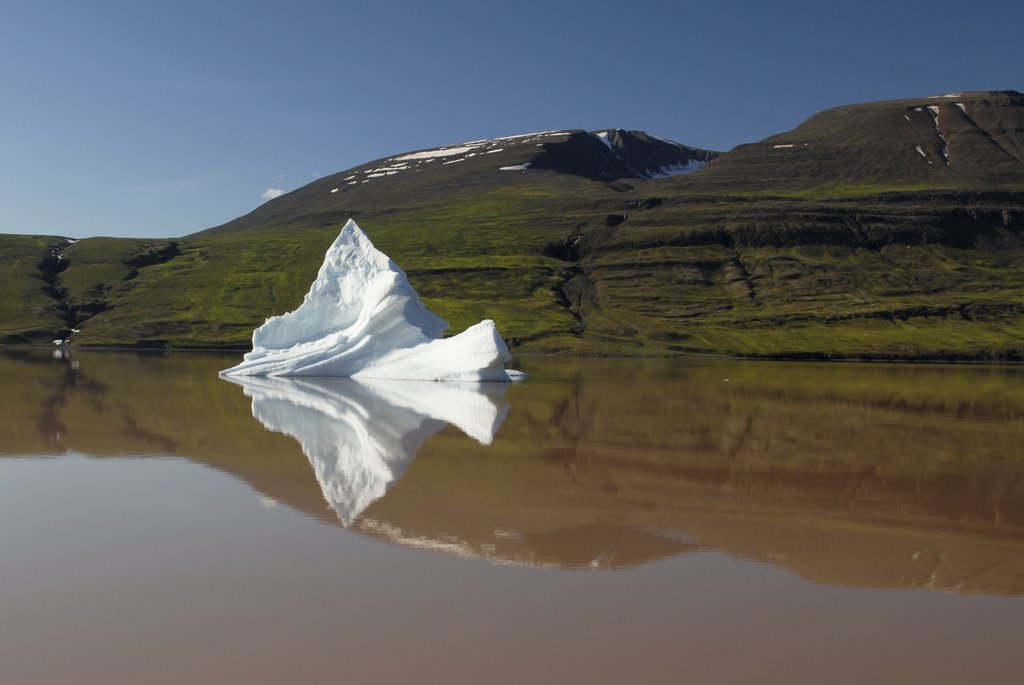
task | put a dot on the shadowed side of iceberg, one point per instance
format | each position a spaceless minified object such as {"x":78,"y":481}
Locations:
{"x":362,"y":318}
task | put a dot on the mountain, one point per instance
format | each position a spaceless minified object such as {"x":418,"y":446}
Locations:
{"x":882,"y":230}
{"x":471,"y":224}
{"x":481,"y":165}
{"x":957,"y":140}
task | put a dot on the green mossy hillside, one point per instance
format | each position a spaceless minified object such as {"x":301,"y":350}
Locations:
{"x":29,"y":311}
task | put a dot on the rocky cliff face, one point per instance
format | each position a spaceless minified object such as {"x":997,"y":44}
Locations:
{"x":615,"y":154}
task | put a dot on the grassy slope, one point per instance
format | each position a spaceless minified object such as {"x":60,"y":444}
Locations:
{"x":27,"y":313}
{"x":208,"y":295}
{"x":471,"y":254}
{"x":650,"y":296}
{"x":903,"y":299}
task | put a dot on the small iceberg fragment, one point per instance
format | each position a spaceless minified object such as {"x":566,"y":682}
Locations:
{"x":362,"y":318}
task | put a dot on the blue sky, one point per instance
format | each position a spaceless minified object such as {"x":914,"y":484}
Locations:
{"x":159,"y":119}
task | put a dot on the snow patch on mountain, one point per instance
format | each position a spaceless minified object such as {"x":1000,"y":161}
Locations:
{"x":430,"y":154}
{"x":935,"y":119}
{"x":461,"y":152}
{"x":603,"y":137}
{"x":677,"y":169}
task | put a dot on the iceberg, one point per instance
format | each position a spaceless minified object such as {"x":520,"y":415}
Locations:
{"x":362,"y":318}
{"x":361,"y":435}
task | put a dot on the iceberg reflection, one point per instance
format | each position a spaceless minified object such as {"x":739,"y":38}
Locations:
{"x":360,"y":435}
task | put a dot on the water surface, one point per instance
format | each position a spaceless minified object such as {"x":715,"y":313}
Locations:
{"x":657,"y":521}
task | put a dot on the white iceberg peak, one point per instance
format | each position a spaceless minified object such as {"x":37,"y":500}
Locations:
{"x":362,"y":318}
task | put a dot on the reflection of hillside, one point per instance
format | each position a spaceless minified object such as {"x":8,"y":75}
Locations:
{"x":122,"y":403}
{"x":862,"y":475}
{"x":942,"y":441}
{"x":851,"y":474}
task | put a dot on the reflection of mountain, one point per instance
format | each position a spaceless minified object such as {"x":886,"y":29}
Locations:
{"x":149,"y":403}
{"x":360,"y":435}
{"x":860,"y":475}
{"x":599,"y":545}
{"x":880,"y":476}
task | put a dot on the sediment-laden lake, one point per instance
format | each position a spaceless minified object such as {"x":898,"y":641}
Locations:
{"x":603,"y":521}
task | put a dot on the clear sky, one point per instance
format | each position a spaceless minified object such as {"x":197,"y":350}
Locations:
{"x":142,"y":118}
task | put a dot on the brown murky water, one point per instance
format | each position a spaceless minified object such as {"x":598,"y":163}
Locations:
{"x":605,"y":521}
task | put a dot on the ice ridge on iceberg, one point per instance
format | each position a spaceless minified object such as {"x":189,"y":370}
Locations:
{"x":360,"y":435}
{"x":362,"y":318}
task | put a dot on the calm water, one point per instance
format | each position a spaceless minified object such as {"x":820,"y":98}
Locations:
{"x":605,"y":521}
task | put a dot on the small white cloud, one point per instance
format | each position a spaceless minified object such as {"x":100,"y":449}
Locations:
{"x":271,"y":193}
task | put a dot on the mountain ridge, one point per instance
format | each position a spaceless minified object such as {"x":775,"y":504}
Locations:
{"x":601,"y":155}
{"x":957,"y":140}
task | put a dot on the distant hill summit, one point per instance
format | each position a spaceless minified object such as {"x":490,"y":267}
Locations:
{"x":955,"y":140}
{"x":607,"y":155}
{"x":621,"y":154}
